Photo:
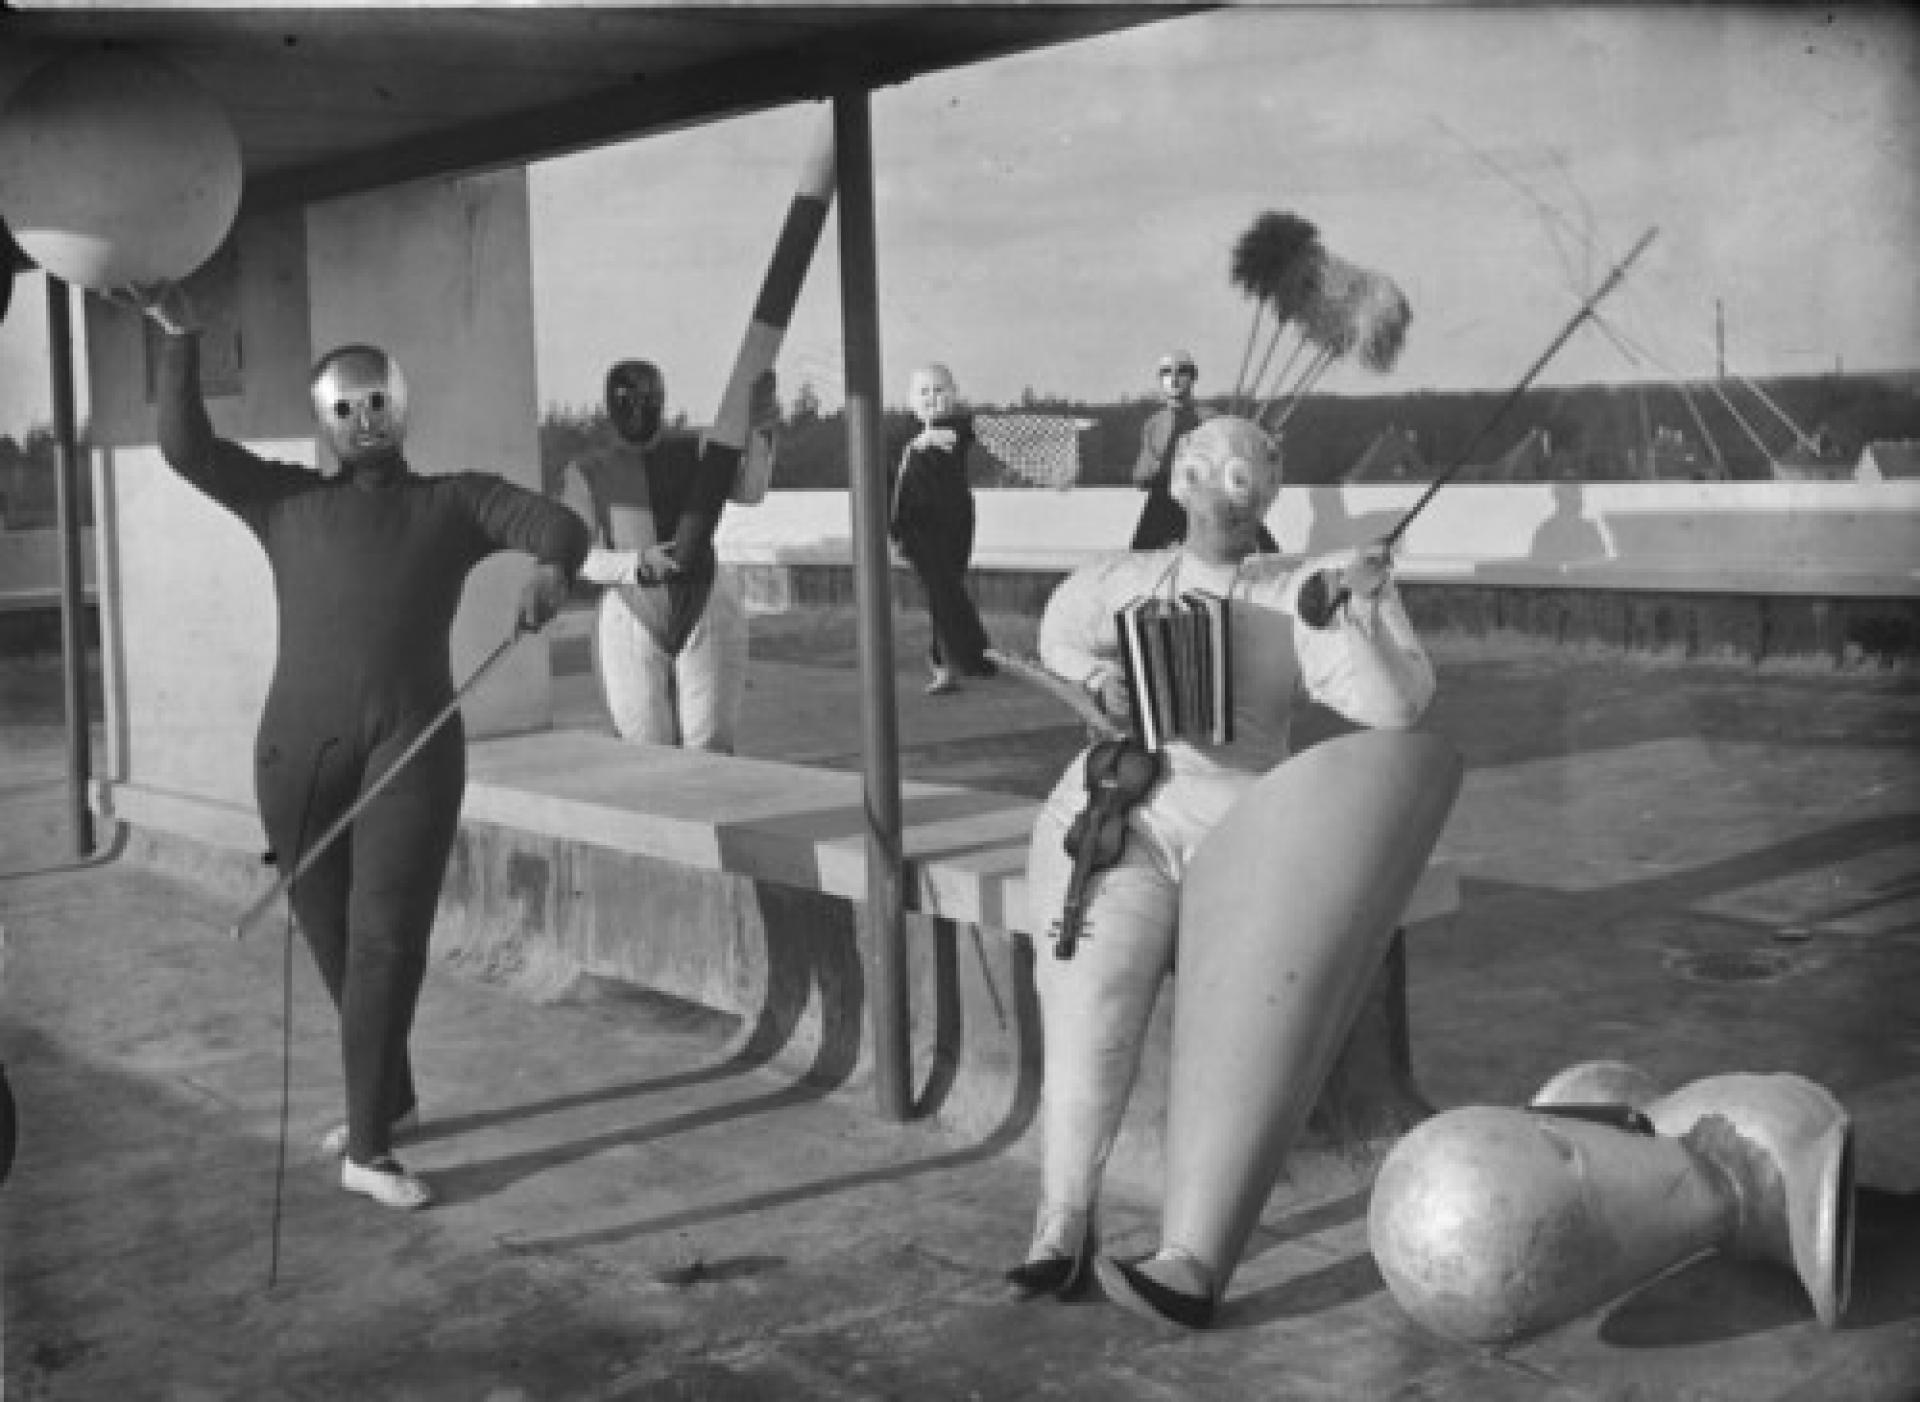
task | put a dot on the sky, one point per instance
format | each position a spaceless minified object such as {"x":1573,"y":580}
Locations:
{"x":1055,"y":221}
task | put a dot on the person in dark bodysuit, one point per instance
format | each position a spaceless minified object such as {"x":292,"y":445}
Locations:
{"x":1163,"y":521}
{"x":932,"y":522}
{"x":368,"y":568}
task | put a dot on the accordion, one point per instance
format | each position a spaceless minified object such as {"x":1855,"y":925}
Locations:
{"x":1178,"y":658}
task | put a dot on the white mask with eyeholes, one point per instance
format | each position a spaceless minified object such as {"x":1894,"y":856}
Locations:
{"x":1231,"y":459}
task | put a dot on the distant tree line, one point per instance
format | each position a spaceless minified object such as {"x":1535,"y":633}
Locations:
{"x":1597,"y":432}
{"x":29,"y":480}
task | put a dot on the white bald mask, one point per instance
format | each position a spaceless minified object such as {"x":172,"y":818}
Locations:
{"x":933,"y":393}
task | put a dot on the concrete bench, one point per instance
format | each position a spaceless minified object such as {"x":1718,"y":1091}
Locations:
{"x":736,"y":884}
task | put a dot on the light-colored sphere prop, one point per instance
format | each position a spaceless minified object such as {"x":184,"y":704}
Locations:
{"x":115,"y":169}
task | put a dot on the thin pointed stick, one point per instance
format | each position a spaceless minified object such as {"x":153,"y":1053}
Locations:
{"x":1074,"y":698}
{"x":1253,"y":334}
{"x":1309,"y":377}
{"x":1299,"y":344}
{"x":306,"y":859}
{"x":1513,"y":395}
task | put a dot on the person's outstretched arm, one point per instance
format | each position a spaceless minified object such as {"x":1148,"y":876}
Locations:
{"x":1366,"y":663}
{"x":223,"y":470}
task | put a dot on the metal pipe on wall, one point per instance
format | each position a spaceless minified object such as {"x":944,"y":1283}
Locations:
{"x":73,"y":598}
{"x":873,"y":600}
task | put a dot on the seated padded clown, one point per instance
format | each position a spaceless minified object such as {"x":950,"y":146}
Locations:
{"x":1365,"y":663}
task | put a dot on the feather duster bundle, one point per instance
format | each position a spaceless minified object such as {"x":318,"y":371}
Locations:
{"x":1329,"y":319}
{"x":1276,"y":262}
{"x":1336,"y":309}
{"x":1380,"y":323}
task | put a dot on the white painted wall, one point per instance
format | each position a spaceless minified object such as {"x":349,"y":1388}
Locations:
{"x":438,"y":274}
{"x":186,"y":600}
{"x":1738,"y":537}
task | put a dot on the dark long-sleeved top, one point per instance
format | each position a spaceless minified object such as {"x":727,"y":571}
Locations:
{"x":931,"y":495}
{"x":367,"y":576}
{"x":1159,"y":438}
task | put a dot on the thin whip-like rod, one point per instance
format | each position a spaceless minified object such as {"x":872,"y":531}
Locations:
{"x":306,"y":859}
{"x":1059,"y":688}
{"x":1246,"y":356}
{"x":1513,"y":395}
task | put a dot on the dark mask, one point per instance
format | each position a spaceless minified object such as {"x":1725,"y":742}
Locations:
{"x":636,"y":400}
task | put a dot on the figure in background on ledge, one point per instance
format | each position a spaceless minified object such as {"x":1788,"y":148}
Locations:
{"x":931,"y":523}
{"x":1366,"y":664}
{"x":1162,"y":521}
{"x":633,"y":495}
{"x":368,"y":568}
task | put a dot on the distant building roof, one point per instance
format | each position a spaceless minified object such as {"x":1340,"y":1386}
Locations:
{"x":1393,"y":456}
{"x":1889,"y":460}
{"x":1812,"y":461}
{"x":1528,"y":460}
{"x":1812,"y":471}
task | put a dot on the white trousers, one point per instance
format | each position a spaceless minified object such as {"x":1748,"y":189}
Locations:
{"x":692,"y":700}
{"x":1096,"y":1007}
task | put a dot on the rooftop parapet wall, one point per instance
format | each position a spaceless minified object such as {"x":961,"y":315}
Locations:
{"x":1790,"y":538}
{"x":1800,"y":573}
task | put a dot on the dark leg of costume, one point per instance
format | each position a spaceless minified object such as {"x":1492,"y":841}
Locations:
{"x":367,"y":907}
{"x":1163,"y":522}
{"x":940,"y":551}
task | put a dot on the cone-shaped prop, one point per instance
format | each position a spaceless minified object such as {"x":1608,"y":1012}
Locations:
{"x":1285,"y":914}
{"x":1790,"y":1143}
{"x":1600,"y":1083}
{"x":1491,"y":1225}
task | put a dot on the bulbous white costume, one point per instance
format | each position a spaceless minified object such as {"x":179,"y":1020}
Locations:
{"x":1368,"y":666}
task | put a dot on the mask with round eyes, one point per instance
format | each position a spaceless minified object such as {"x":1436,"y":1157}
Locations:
{"x":1177,"y":376}
{"x":637,"y":400}
{"x":933,"y":393}
{"x":1230,"y":459}
{"x":360,"y":399}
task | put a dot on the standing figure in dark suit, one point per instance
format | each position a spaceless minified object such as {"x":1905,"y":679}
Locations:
{"x":931,"y":523}
{"x":1163,"y":521}
{"x":368,"y":568}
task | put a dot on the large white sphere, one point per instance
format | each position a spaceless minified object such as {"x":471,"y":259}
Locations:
{"x":116,"y":169}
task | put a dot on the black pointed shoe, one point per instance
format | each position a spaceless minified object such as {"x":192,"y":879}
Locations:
{"x":1132,"y":1290}
{"x":1063,"y":1277}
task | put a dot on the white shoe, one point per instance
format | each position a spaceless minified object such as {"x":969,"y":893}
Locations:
{"x":386,"y":1182}
{"x":333,"y":1143}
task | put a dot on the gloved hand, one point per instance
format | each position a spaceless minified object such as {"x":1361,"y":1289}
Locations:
{"x":543,"y":595}
{"x":162,"y":303}
{"x":1115,"y":699}
{"x":656,"y":563}
{"x":1367,"y":574}
{"x":763,"y":402}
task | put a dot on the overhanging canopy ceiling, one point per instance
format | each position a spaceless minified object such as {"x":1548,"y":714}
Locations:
{"x":327,"y":102}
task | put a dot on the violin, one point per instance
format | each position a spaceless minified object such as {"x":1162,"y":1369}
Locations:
{"x":1120,"y":772}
